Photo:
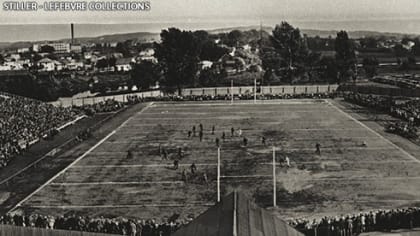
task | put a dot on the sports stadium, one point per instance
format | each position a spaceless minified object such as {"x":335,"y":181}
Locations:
{"x":301,"y":153}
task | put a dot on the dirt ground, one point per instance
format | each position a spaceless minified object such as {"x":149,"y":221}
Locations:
{"x":346,"y":177}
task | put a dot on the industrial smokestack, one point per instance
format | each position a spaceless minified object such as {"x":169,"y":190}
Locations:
{"x":72,"y":33}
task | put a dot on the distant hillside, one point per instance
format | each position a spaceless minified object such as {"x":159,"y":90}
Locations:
{"x":320,"y":33}
{"x":150,"y":37}
{"x":139,"y":36}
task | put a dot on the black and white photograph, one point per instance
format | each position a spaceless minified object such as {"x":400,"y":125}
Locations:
{"x":210,"y":118}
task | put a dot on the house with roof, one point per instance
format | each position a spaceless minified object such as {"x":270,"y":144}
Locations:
{"x":47,"y":64}
{"x":123,"y":64}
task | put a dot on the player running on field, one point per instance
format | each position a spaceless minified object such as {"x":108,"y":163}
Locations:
{"x":318,"y":148}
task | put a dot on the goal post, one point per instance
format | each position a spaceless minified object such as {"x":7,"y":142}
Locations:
{"x":274,"y":179}
{"x":218,"y":174}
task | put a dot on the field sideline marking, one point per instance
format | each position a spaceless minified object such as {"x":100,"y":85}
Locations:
{"x":75,"y":161}
{"x":374,"y":132}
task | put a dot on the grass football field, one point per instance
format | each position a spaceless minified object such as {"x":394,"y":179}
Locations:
{"x":346,"y":177}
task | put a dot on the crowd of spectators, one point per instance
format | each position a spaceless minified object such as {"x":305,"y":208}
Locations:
{"x":377,"y":102}
{"x":121,"y":226}
{"x":408,"y":110}
{"x":248,"y":96}
{"x":24,"y":120}
{"x":348,"y":225}
{"x":402,"y":81}
{"x":344,"y":225}
{"x":403,"y":129}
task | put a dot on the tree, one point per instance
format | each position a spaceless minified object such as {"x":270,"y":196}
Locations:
{"x":369,"y":42}
{"x":212,"y":52}
{"x":416,"y":48}
{"x":178,"y":54}
{"x":291,"y":47}
{"x":209,"y":78}
{"x":370,"y":65}
{"x":106,"y":62}
{"x":124,"y":48}
{"x":345,"y":55}
{"x":328,"y":69}
{"x":47,"y":49}
{"x":145,"y":74}
{"x":234,"y":38}
{"x":312,"y":62}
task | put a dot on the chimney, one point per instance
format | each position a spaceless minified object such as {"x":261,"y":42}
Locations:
{"x":72,"y":33}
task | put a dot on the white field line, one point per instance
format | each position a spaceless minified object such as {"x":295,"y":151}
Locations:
{"x":325,"y":129}
{"x":122,"y":206}
{"x":374,"y":132}
{"x":347,"y":138}
{"x":110,"y":153}
{"x":338,"y":160}
{"x":245,"y":176}
{"x":75,"y":161}
{"x":241,"y":178}
{"x":115,"y":183}
{"x":140,"y":165}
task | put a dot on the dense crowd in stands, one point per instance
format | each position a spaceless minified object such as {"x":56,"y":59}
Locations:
{"x":408,"y":110}
{"x":347,"y":225}
{"x":121,"y":226}
{"x":23,"y":120}
{"x":402,"y":81}
{"x":369,"y":100}
{"x":403,"y":129}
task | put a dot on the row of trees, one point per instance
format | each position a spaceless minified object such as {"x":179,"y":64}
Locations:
{"x":285,"y":57}
{"x":178,"y":53}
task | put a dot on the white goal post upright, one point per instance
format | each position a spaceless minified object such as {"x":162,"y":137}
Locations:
{"x":255,"y":90}
{"x":231,"y":91}
{"x":274,"y":178}
{"x":218,"y":174}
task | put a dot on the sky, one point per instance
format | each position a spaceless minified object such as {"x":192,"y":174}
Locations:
{"x":394,"y":15}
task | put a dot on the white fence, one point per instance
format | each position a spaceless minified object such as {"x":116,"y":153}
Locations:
{"x":215,"y":91}
{"x":286,"y":89}
{"x":66,"y":102}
